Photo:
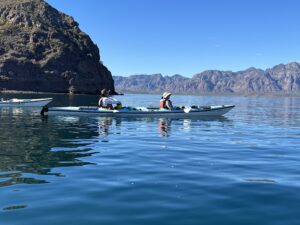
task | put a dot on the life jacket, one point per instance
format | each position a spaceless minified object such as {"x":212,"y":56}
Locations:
{"x":109,"y":106}
{"x":162,"y":104}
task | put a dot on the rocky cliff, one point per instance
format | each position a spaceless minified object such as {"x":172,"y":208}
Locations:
{"x":42,"y":49}
{"x":281,"y":79}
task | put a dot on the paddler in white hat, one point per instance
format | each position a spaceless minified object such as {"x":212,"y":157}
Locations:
{"x":165,"y":102}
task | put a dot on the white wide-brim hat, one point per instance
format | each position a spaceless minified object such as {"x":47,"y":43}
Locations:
{"x":166,"y":94}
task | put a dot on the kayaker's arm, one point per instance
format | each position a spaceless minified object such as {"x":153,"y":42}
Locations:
{"x":100,"y":102}
{"x":169,"y":104}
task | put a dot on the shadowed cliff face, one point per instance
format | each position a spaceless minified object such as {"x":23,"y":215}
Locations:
{"x":281,"y":79}
{"x":42,"y":49}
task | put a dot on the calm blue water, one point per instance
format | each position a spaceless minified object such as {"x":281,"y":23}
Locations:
{"x":240,"y":169}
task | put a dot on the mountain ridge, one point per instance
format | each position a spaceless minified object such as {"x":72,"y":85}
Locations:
{"x":280,"y":79}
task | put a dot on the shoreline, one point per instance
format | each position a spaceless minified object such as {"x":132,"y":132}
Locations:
{"x":223,"y":94}
{"x":44,"y":93}
{"x":158,"y":93}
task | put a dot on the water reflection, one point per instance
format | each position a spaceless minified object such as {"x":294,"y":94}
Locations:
{"x":110,"y":125}
{"x":31,"y":144}
{"x":275,"y":111}
{"x":13,"y":111}
{"x":105,"y":122}
{"x":164,"y":125}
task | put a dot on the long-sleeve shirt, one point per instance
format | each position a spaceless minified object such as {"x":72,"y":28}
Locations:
{"x":107,"y":101}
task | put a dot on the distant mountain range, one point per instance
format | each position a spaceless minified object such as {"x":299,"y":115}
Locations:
{"x":281,"y":79}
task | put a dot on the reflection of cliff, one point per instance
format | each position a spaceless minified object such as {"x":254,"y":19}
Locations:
{"x":32,"y":144}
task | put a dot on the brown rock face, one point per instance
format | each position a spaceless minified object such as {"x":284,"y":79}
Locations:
{"x":42,"y":49}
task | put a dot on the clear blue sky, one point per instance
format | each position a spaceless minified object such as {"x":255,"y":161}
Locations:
{"x":188,"y":36}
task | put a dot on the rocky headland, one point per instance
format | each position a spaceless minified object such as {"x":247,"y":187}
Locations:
{"x":44,"y":50}
{"x":281,"y":79}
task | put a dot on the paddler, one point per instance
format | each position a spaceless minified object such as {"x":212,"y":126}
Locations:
{"x":165,"y":102}
{"x":107,"y":102}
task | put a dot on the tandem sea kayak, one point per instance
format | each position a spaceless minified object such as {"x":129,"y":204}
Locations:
{"x":194,"y":111}
{"x":15,"y":102}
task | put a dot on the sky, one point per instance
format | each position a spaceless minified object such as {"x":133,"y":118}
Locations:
{"x":188,"y":36}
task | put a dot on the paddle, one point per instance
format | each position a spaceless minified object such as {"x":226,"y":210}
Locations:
{"x":187,"y":109}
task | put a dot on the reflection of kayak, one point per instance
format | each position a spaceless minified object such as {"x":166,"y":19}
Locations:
{"x":25,"y":102}
{"x":193,"y":111}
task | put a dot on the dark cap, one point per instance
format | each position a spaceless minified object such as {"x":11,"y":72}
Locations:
{"x":104,"y":92}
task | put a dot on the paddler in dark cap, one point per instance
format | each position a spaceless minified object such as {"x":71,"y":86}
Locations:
{"x":106,"y":102}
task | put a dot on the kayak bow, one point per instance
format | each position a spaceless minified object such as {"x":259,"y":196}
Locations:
{"x":25,"y":102}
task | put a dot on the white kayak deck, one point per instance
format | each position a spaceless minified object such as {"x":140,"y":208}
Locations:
{"x":140,"y":111}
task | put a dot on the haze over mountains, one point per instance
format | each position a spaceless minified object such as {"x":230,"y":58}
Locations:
{"x":281,"y":79}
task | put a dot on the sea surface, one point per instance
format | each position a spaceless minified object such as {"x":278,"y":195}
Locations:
{"x":243,"y":168}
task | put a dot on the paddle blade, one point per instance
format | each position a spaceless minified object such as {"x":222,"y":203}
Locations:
{"x":187,"y":109}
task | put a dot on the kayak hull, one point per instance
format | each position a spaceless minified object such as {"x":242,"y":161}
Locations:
{"x":25,"y":102}
{"x":139,"y":111}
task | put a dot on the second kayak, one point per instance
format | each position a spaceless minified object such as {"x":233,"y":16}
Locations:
{"x":15,"y":102}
